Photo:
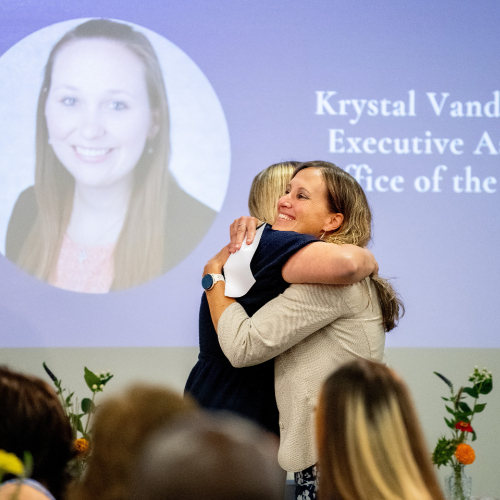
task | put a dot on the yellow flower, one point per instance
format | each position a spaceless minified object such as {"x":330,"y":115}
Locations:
{"x":82,"y":446}
{"x":10,"y":463}
{"x":465,"y":454}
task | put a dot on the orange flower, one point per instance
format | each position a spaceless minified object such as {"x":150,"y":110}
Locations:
{"x":82,"y":446}
{"x":465,"y":454}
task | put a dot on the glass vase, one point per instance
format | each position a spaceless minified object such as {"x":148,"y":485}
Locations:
{"x":458,"y":485}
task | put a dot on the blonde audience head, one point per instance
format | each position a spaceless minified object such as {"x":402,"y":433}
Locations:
{"x":370,"y":443}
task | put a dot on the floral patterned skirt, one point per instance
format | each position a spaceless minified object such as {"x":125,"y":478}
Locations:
{"x":306,"y":483}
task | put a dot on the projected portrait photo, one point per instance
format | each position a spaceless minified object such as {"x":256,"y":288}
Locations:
{"x":127,"y":162}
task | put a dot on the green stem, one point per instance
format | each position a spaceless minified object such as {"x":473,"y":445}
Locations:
{"x":89,"y":415}
{"x":60,"y":393}
{"x":475,"y":400}
{"x":458,"y":490}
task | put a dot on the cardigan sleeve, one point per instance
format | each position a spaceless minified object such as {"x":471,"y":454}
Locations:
{"x":280,"y":324}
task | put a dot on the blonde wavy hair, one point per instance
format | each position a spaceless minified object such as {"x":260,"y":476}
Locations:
{"x":267,"y":188}
{"x":370,"y":443}
{"x":140,"y":250}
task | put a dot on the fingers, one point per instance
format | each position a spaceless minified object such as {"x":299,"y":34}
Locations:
{"x":251,"y":229}
{"x":238,"y":230}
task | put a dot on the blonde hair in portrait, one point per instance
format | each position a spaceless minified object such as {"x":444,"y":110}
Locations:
{"x":139,"y":253}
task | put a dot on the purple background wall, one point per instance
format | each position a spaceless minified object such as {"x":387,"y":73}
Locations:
{"x":266,"y":62}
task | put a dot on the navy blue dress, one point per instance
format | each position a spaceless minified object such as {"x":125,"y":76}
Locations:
{"x":213,"y":382}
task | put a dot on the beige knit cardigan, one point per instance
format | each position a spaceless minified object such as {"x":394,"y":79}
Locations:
{"x":310,"y":330}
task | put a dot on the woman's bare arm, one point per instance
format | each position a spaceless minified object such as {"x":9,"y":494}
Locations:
{"x":217,"y":301}
{"x":316,"y":263}
{"x":329,"y":264}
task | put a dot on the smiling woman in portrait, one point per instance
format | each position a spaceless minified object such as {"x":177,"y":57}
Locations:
{"x":105,"y":213}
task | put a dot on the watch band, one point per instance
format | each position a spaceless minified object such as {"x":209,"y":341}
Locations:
{"x":209,"y":280}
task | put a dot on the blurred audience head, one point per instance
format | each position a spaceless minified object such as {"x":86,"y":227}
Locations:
{"x":33,"y":420}
{"x":210,"y":457}
{"x":122,"y":424}
{"x":267,"y":188}
{"x":370,"y":443}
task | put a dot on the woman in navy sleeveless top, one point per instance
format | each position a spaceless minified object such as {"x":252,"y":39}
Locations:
{"x":213,"y":382}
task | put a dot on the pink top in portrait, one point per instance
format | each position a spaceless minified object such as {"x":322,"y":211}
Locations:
{"x":82,"y":268}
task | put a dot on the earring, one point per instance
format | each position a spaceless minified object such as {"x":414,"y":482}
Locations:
{"x":322,"y":235}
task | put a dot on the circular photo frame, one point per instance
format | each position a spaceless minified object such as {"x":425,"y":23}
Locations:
{"x":64,"y":142}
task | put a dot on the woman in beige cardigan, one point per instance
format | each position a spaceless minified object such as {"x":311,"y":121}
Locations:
{"x":310,"y":329}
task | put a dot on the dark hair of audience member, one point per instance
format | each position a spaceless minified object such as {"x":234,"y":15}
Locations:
{"x":210,"y":458}
{"x":370,"y":443}
{"x":33,"y":420}
{"x":122,"y":424}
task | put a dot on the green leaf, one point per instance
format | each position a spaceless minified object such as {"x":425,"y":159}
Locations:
{"x":463,"y":416}
{"x":104,"y":381}
{"x":91,"y":379}
{"x":88,"y":406}
{"x":28,"y":464}
{"x":486,"y":387}
{"x":445,"y":399}
{"x":443,"y":453}
{"x":474,"y":435}
{"x":68,"y":399}
{"x":464,"y":407}
{"x":76,"y":421}
{"x":450,"y":423}
{"x":471,"y":392}
{"x":479,"y":408}
{"x":450,"y":410}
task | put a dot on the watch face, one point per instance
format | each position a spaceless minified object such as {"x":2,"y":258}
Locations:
{"x":207,"y":281}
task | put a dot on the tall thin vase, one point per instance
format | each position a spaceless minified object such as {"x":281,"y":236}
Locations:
{"x":458,"y":485}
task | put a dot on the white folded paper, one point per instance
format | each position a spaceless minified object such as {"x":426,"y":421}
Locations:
{"x":237,"y":272}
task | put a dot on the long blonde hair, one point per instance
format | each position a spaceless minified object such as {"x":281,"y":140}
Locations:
{"x":370,"y":444}
{"x":140,"y":250}
{"x":267,"y":187}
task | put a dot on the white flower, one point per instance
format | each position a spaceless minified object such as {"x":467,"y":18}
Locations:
{"x":94,"y":387}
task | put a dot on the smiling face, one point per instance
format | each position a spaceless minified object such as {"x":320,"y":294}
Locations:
{"x":305,"y":208}
{"x":97,"y":111}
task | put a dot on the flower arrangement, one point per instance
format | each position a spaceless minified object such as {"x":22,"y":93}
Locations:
{"x":79,"y":416}
{"x":455,"y":451}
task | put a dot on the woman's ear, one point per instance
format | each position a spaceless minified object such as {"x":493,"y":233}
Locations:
{"x":334,"y":222}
